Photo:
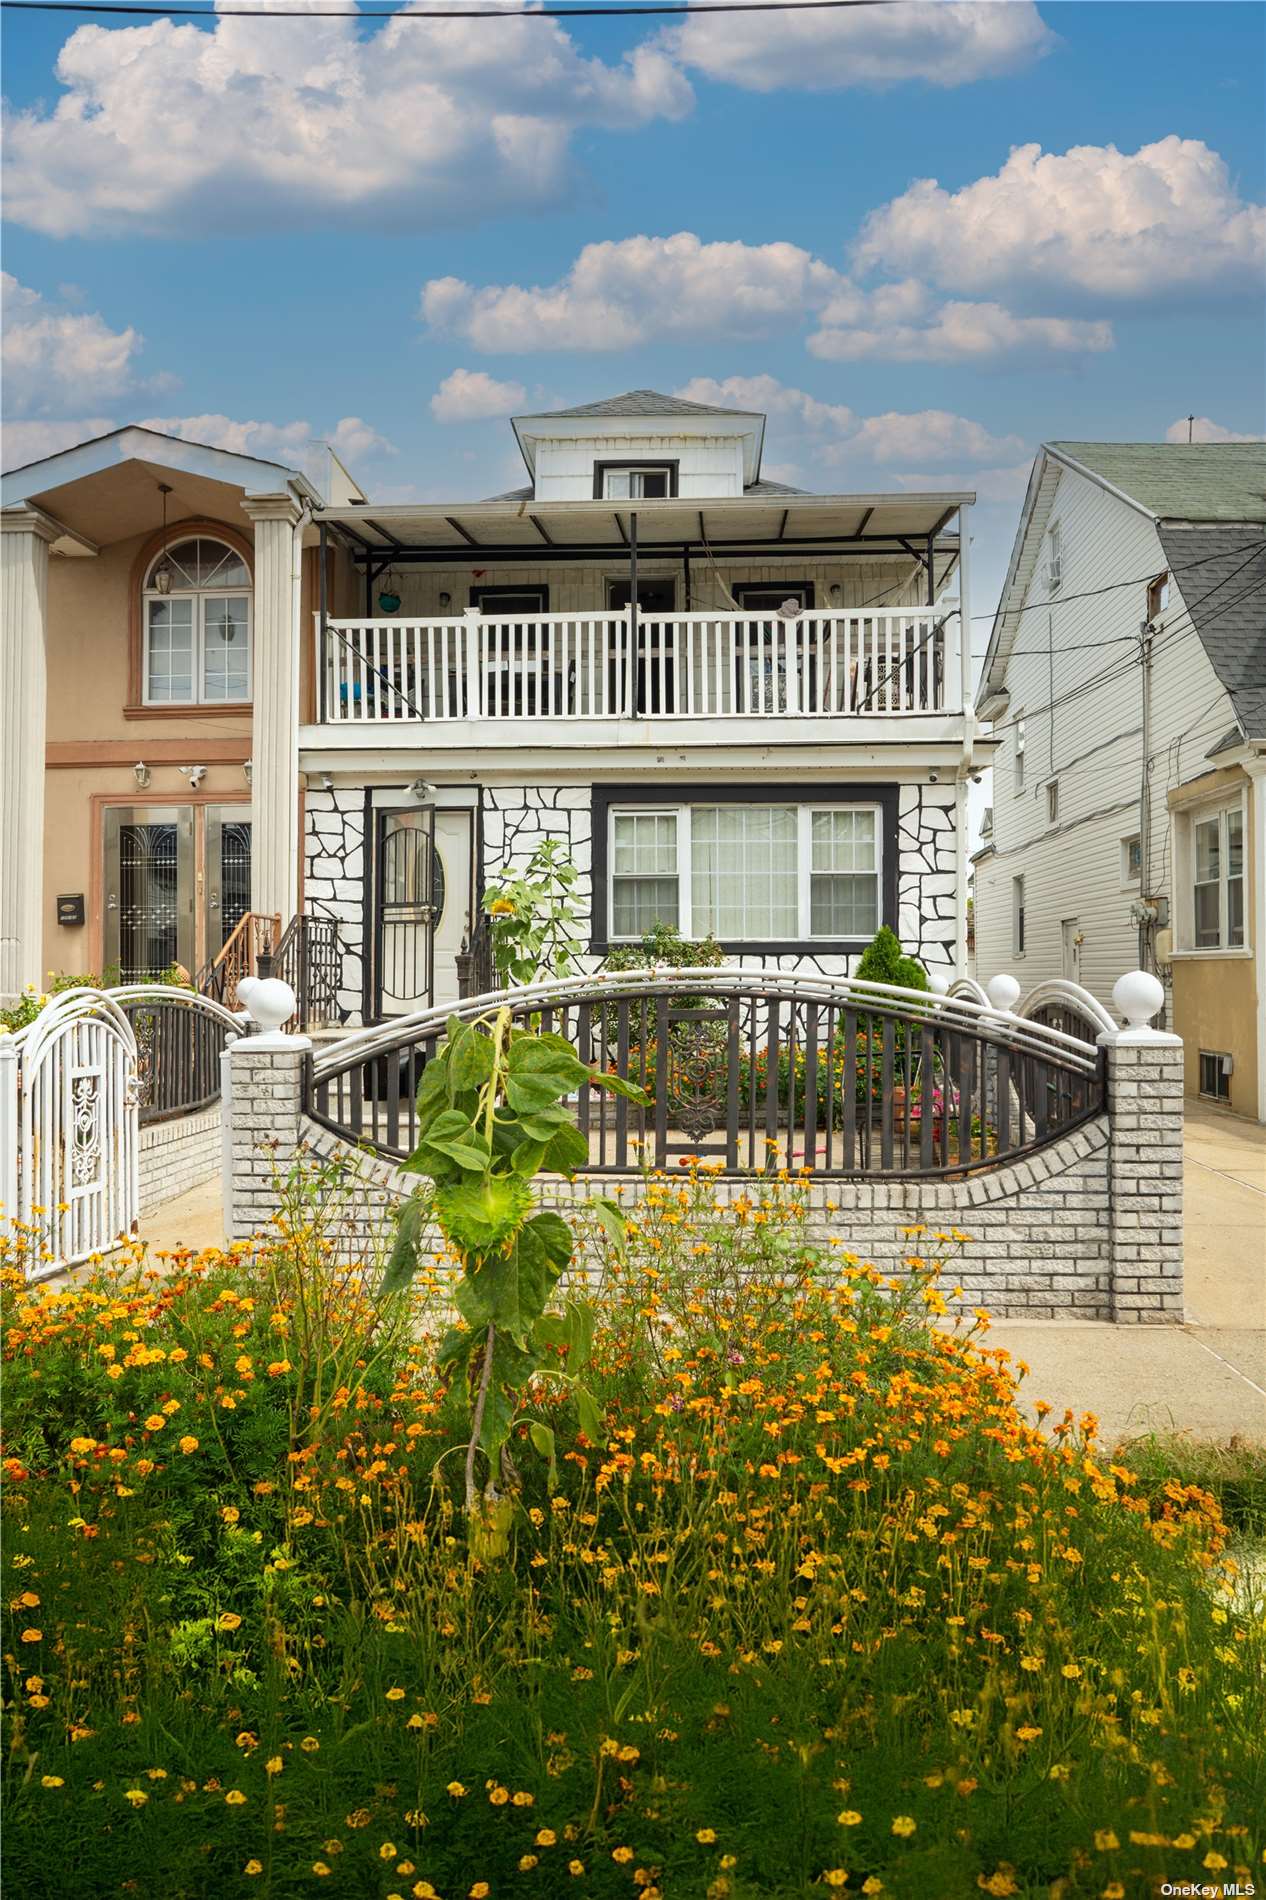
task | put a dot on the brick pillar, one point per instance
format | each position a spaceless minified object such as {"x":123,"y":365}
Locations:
{"x":266,"y":1108}
{"x":1145,"y":1111}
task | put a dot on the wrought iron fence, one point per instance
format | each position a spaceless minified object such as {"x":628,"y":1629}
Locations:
{"x":751,"y":1070}
{"x":178,"y":1048}
{"x":308,"y":958}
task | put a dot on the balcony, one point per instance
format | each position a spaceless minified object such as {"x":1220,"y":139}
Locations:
{"x":608,"y":665}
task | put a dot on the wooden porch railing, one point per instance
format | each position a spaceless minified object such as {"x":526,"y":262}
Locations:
{"x":753,"y":1069}
{"x":255,"y":934}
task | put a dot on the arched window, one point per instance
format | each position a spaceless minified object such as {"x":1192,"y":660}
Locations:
{"x":197,"y":600}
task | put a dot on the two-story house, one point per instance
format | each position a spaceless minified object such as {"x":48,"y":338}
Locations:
{"x":744,"y":709}
{"x":1126,"y":679}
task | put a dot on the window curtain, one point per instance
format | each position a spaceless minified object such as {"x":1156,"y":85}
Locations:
{"x":743,"y":872}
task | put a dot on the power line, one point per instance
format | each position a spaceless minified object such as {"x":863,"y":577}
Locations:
{"x":1092,"y":593}
{"x":625,"y":8}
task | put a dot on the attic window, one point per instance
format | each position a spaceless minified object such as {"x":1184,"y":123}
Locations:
{"x":634,"y":481}
{"x":1157,"y":596}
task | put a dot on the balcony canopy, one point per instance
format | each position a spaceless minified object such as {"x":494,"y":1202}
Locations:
{"x":858,"y":525}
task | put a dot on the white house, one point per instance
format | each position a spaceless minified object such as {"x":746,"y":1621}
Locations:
{"x":1126,"y":679}
{"x":745,"y":709}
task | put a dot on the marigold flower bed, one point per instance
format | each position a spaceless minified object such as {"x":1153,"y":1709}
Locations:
{"x":821,"y":1613}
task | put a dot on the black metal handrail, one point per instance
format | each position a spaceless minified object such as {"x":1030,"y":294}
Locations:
{"x":750,"y":1070}
{"x":178,"y":1050}
{"x":307,"y":957}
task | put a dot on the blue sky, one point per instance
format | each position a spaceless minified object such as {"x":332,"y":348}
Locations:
{"x":234,"y":236}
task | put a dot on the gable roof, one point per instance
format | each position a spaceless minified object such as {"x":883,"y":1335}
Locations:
{"x":638,"y":402}
{"x":1178,"y":481}
{"x":1227,"y":605}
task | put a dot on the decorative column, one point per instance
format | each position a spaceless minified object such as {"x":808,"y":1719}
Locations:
{"x":263,"y":1108}
{"x":24,"y":545}
{"x":275,"y":721}
{"x":1145,"y":1121}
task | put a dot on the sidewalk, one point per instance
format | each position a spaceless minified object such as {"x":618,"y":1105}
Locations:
{"x":1207,"y":1376}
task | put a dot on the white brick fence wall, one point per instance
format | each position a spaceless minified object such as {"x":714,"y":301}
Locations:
{"x":176,"y":1155}
{"x":1089,"y":1227}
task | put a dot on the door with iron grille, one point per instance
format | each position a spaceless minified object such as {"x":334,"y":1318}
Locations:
{"x":228,"y":872}
{"x":149,"y":919}
{"x":422,"y":900}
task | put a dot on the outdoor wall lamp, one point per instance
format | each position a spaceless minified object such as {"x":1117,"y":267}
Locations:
{"x":248,"y":767}
{"x":446,"y":601}
{"x":162,"y":573}
{"x":141,"y":773}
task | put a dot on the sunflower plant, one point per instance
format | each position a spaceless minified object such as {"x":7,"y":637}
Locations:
{"x":491,"y":1117}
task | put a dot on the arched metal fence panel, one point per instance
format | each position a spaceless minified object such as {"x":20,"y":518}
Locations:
{"x":750,"y":1070}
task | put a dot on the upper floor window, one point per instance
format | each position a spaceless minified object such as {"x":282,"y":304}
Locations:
{"x":634,"y":481}
{"x":1217,"y":878}
{"x":1157,"y":596}
{"x":197,"y":600}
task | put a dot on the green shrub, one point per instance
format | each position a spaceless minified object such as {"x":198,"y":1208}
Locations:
{"x":884,"y":961}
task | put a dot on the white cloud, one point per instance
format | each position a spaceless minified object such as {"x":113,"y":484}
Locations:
{"x":167,"y":128}
{"x":1203,"y":429}
{"x":1005,"y":484}
{"x":471,"y":395}
{"x":835,"y":436}
{"x":295,"y":444}
{"x":945,"y":43}
{"x":31,"y":441}
{"x":55,"y":359}
{"x":626,"y":291}
{"x":960,"y":332}
{"x":1150,"y":223}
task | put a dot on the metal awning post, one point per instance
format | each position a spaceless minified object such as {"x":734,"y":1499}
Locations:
{"x":633,"y":640}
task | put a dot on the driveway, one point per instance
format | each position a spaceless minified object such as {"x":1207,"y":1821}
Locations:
{"x":1207,"y":1376}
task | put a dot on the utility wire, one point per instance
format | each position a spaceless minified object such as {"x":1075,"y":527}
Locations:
{"x":675,"y":8}
{"x":1092,"y":593}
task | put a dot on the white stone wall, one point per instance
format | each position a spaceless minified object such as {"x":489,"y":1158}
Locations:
{"x":1088,"y":1227}
{"x":178,"y":1155}
{"x":334,"y":869}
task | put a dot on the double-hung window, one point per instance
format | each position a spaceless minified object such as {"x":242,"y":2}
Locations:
{"x":747,"y":873}
{"x":197,"y":606}
{"x":1216,"y":856}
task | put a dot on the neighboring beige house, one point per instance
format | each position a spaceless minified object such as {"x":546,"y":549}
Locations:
{"x":1126,"y":679}
{"x":742,"y":708}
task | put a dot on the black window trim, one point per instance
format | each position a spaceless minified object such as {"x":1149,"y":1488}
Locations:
{"x":751,"y":792}
{"x":670,"y":463}
{"x":807,"y":588}
{"x":485,"y":598}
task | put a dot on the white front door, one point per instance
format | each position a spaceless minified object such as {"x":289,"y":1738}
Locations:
{"x":1070,"y":936}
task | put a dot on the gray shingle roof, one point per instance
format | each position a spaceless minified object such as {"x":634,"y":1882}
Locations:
{"x":1226,"y":598}
{"x":641,"y":402}
{"x":1181,"y":481}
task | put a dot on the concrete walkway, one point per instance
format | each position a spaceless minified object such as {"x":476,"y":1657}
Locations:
{"x":1208,"y":1376}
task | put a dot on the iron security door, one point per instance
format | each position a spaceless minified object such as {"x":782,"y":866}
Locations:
{"x":409,"y":897}
{"x":228,"y":875}
{"x":149,"y":889}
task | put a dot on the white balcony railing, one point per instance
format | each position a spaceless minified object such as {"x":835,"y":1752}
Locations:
{"x":877,"y":661}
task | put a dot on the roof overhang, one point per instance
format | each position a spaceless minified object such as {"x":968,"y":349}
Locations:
{"x":745,"y":425}
{"x":1039,"y":497}
{"x":107,"y":489}
{"x":874,"y":524}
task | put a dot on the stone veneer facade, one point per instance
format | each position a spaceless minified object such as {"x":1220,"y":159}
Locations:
{"x":516,"y":818}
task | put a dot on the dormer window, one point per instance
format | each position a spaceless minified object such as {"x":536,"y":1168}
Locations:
{"x":634,"y":481}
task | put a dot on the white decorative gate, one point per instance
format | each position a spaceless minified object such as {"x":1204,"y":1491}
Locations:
{"x":69,"y":1131}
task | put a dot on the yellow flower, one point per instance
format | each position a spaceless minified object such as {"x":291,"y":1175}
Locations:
{"x":456,"y":1789}
{"x":273,"y":1765}
{"x":188,"y":1443}
{"x":1071,"y":1670}
{"x":137,"y":1796}
{"x":253,"y":1867}
{"x":1213,"y":1861}
{"x":849,"y":1818}
{"x":230,"y":1513}
{"x":705,"y":1836}
{"x":622,"y":1854}
{"x":387,"y":1851}
{"x":51,"y":1781}
{"x":499,"y":1797}
{"x":32,"y":1636}
{"x":545,"y":1837}
{"x":904,"y":1825}
{"x":319,"y":1867}
{"x":155,"y":1422}
{"x":577,"y":1867}
{"x":309,"y":1744}
{"x":501,"y":907}
{"x":1106,"y":1840}
{"x":480,"y":1890}
{"x":235,"y":1798}
{"x":395,"y":1695}
{"x":1028,"y":1733}
{"x":527,"y":1862}
{"x":835,"y":1876}
{"x":229,"y":1620}
{"x":522,"y":1799}
{"x":873,"y":1885}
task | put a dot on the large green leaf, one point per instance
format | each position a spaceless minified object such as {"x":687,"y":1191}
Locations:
{"x":470,"y":1057}
{"x":403,"y":1263}
{"x":591,"y":1421}
{"x":565,"y":1151}
{"x":545,"y":1054}
{"x":555,"y":1238}
{"x":527,"y":1158}
{"x":541,"y":1123}
{"x":543,"y":1440}
{"x":619,"y":1085}
{"x":454,"y":1135}
{"x":581,"y":1321}
{"x":477,"y":1215}
{"x":455,"y":1349}
{"x":612,"y":1219}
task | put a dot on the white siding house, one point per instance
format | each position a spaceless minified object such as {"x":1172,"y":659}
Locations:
{"x":1090,"y":865}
